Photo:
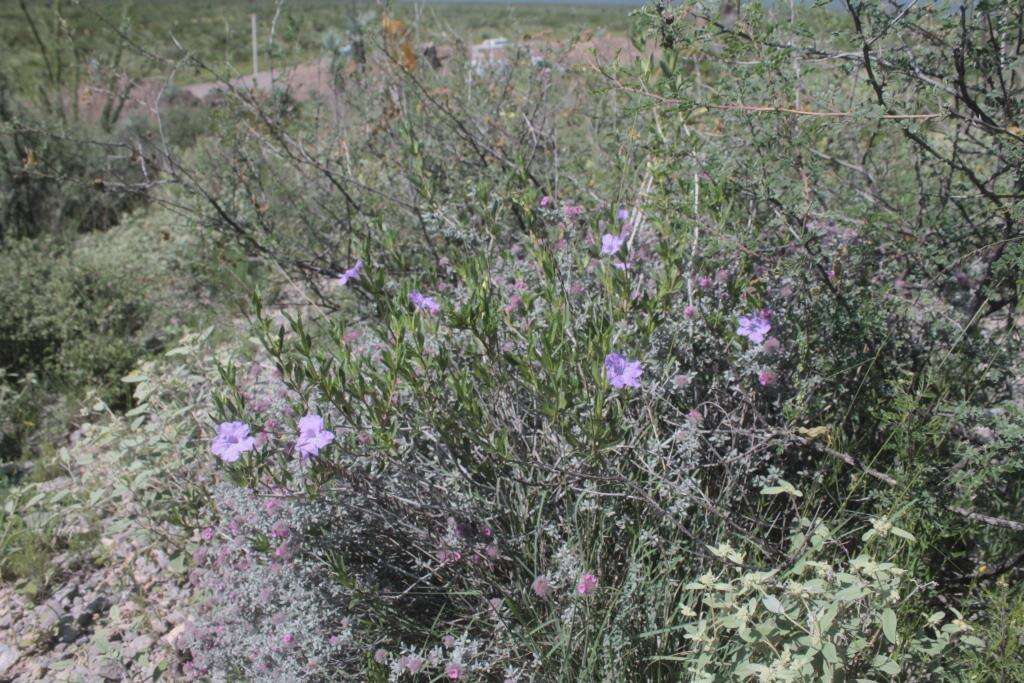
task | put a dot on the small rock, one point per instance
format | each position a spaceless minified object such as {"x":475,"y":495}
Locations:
{"x":96,"y":606}
{"x":67,"y":630}
{"x":138,"y":645}
{"x":110,"y":670}
{"x":984,"y":434}
{"x":172,"y":636}
{"x":65,"y":595}
{"x":9,"y":656}
{"x":37,"y":671}
{"x":45,"y":618}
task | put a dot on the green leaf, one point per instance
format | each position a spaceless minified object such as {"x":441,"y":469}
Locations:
{"x":889,"y":625}
{"x":772,"y":604}
{"x":783,"y":487}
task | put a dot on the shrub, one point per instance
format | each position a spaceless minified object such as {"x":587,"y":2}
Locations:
{"x":77,"y":316}
{"x":735,"y":429}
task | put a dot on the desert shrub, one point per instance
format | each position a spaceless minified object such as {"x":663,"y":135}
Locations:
{"x":740,"y":427}
{"x":77,"y":316}
{"x":59,"y":177}
{"x":481,"y":448}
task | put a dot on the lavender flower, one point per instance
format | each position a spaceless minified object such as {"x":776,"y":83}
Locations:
{"x":622,"y":372}
{"x":351,"y":274}
{"x":312,"y":436}
{"x":232,"y":440}
{"x":424,"y":303}
{"x":754,"y":327}
{"x":541,"y":586}
{"x":622,"y":214}
{"x":610,"y":244}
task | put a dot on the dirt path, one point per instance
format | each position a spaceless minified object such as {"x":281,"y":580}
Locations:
{"x":313,"y":79}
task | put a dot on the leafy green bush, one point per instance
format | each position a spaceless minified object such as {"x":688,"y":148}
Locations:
{"x":78,"y":315}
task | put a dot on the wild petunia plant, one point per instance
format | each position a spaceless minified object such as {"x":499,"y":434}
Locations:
{"x":731,"y":435}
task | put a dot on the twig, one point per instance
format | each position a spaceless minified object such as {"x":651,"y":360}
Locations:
{"x":988,"y":519}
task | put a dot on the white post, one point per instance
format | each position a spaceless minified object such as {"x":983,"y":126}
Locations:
{"x":255,"y":61}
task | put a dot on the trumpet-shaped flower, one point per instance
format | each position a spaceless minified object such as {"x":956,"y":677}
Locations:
{"x":424,"y":303}
{"x":232,"y":440}
{"x":754,"y":327}
{"x":610,"y":244}
{"x":351,"y":274}
{"x":622,"y":372}
{"x":312,"y":436}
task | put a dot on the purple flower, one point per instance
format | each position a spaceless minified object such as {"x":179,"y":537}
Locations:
{"x":424,"y":303}
{"x":546,"y":201}
{"x":622,"y":372}
{"x":766,"y":378}
{"x":380,"y":656}
{"x":689,"y":312}
{"x":621,"y":265}
{"x":232,"y":440}
{"x":772,"y":345}
{"x":453,"y":671}
{"x":754,"y":327}
{"x":622,"y":214}
{"x":587,"y":584}
{"x":351,"y":274}
{"x":610,"y":244}
{"x":704,"y":282}
{"x":312,"y":436}
{"x":541,"y":586}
